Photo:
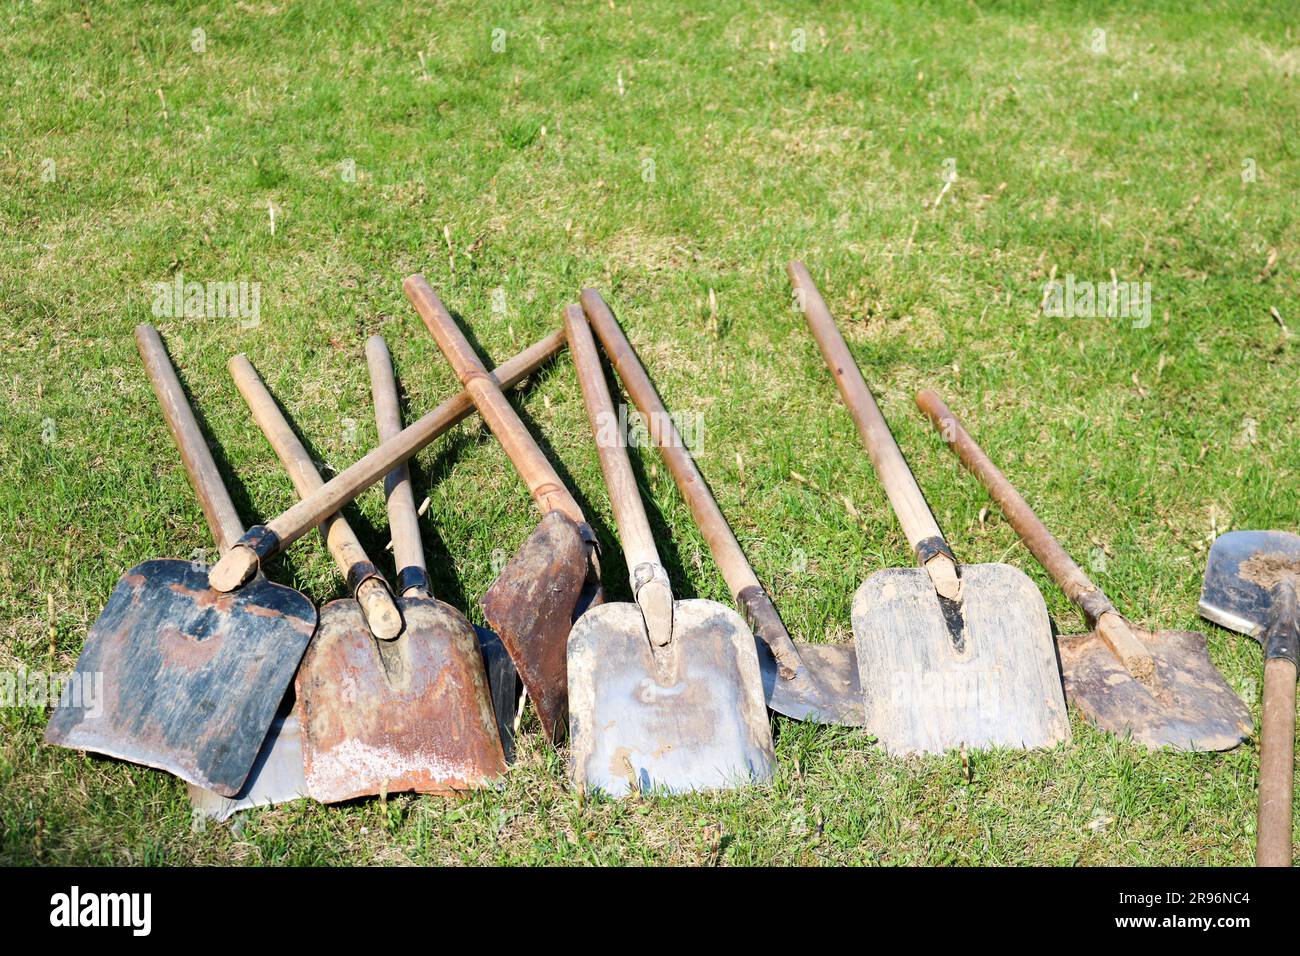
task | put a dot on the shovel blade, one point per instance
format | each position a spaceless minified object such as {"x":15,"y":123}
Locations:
{"x":531,"y":607}
{"x":923,"y":696}
{"x":191,"y":678}
{"x":825,"y":689}
{"x":1191,"y":708}
{"x":276,"y":776}
{"x":1240,"y":570}
{"x":414,"y":715}
{"x":634,"y":727}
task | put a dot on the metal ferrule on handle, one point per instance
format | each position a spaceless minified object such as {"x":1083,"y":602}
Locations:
{"x":891,"y":468}
{"x":650,"y":584}
{"x":747,"y":591}
{"x":363,"y":578}
{"x":545,"y":485}
{"x":218,"y":508}
{"x":403,"y":518}
{"x":239,"y":564}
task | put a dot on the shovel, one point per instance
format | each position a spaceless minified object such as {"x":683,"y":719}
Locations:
{"x":553,"y":577}
{"x":192,"y":678}
{"x":1161,"y":689}
{"x":817,"y":682}
{"x":262,"y":542}
{"x":948,"y":655}
{"x":437,"y":660}
{"x":368,"y":699}
{"x":663,"y":695}
{"x":1251,"y":584}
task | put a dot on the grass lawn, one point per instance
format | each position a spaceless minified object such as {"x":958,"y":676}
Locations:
{"x":932,"y":163}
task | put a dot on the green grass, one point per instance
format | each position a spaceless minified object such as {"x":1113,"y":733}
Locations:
{"x":525,"y":170}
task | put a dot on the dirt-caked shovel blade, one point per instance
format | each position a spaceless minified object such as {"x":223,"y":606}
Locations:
{"x":532,"y":605}
{"x":410,"y":714}
{"x":635,"y":727}
{"x":980,"y":672}
{"x":191,"y":678}
{"x":1188,"y":706}
{"x":1241,"y":570}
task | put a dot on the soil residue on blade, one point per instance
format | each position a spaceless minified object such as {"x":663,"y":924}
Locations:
{"x":1267,"y":570}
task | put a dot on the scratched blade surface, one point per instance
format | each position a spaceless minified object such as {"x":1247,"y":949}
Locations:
{"x":276,"y":776}
{"x":189,"y":679}
{"x":631,"y":729}
{"x":925,"y":694}
{"x":410,"y":714}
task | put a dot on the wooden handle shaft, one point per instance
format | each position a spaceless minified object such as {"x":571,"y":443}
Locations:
{"x":214,"y":499}
{"x":1111,"y":626}
{"x":545,"y":485}
{"x":741,"y":580}
{"x":341,"y":540}
{"x":403,"y":519}
{"x":371,"y":590}
{"x":1276,"y":764}
{"x":234,"y":568}
{"x":1032,"y":531}
{"x":625,"y":497}
{"x":900,"y":485}
{"x":649,"y":579}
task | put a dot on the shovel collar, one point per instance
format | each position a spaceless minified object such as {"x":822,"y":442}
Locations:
{"x":261,"y":540}
{"x":360,"y":573}
{"x":411,"y":577}
{"x":932,"y":547}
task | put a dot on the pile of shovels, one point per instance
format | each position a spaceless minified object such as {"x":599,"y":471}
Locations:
{"x":245,"y":690}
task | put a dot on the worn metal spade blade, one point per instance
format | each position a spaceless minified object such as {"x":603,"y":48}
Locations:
{"x":1187,"y":706}
{"x":367,"y":704}
{"x":927,"y":686}
{"x":532,"y":605}
{"x":1242,"y":569}
{"x":276,"y":776}
{"x":636,"y":725}
{"x":191,"y":678}
{"x":825,"y":688}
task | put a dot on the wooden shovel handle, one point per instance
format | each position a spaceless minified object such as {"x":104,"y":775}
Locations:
{"x":363,"y":577}
{"x":1276,"y":764}
{"x":649,"y":579}
{"x":1111,"y":626}
{"x":214,"y":499}
{"x":545,"y":485}
{"x":238,"y":565}
{"x":741,"y":580}
{"x":904,"y":493}
{"x":403,"y":518}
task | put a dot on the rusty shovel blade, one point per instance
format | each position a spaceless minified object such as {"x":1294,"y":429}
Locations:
{"x":826,"y":689}
{"x":392,"y":716}
{"x":532,"y":605}
{"x":636,"y":725}
{"x":178,"y":676}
